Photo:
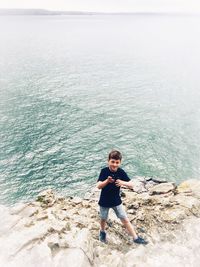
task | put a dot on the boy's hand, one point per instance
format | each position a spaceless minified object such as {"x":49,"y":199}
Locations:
{"x":110,"y":180}
{"x":119,"y":182}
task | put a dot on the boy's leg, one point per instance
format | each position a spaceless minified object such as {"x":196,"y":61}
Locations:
{"x":121,"y":214}
{"x":103,"y":215}
{"x":129,"y":228}
{"x":136,"y":239}
{"x":103,"y":225}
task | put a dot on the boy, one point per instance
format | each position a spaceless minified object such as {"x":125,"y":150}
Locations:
{"x":110,"y":180}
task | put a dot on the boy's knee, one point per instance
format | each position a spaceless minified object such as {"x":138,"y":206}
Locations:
{"x":125,"y":221}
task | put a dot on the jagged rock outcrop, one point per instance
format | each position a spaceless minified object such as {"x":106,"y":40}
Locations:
{"x":56,"y":231}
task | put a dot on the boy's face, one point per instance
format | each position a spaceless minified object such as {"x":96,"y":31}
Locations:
{"x":114,"y":164}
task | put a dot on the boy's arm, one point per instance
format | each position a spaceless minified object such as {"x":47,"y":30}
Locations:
{"x":102,"y":184}
{"x":128,"y":184}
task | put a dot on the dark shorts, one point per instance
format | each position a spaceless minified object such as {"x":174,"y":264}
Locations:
{"x":119,"y":211}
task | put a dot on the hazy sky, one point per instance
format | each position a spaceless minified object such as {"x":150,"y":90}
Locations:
{"x":106,"y":5}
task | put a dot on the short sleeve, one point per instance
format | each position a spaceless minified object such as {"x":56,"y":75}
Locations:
{"x":102,"y":176}
{"x":125,"y":176}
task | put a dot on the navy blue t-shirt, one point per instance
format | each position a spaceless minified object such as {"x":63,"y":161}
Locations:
{"x":110,"y":194}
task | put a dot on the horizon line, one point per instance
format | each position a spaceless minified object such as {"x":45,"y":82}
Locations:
{"x":61,"y":12}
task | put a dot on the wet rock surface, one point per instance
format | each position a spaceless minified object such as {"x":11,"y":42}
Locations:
{"x":58,"y":231}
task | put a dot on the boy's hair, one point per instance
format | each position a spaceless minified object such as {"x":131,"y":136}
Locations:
{"x":114,"y":154}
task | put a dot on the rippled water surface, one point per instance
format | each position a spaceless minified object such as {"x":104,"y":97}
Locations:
{"x":74,"y":87}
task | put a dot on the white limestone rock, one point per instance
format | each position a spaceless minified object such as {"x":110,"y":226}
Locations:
{"x":162,"y":188}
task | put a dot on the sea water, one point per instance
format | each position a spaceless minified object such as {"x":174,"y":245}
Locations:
{"x":74,"y":87}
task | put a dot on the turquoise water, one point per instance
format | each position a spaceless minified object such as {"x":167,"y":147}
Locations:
{"x":74,"y":87}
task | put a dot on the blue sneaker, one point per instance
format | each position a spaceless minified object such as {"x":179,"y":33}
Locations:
{"x":140,"y":240}
{"x":102,"y":236}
